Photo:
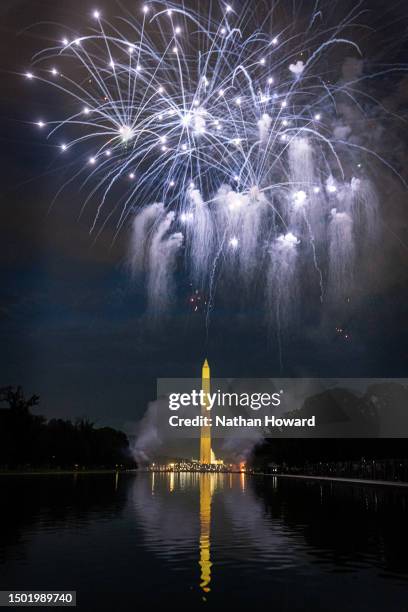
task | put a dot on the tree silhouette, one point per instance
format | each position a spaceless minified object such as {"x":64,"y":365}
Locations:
{"x":14,"y":398}
{"x":29,"y":441}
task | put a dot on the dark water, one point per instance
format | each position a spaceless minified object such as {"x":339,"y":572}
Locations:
{"x":206,"y":540}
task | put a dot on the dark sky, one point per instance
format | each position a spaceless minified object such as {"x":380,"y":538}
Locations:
{"x":72,"y":326}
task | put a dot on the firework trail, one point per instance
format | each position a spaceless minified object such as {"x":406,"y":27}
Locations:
{"x":225,"y":131}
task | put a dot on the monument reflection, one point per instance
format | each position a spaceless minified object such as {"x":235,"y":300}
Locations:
{"x":207,"y":483}
{"x":175,"y":511}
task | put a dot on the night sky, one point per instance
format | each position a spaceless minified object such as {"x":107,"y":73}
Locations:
{"x":72,"y":324}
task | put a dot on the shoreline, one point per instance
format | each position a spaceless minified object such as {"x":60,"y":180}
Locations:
{"x":64,"y":472}
{"x":338,"y":479}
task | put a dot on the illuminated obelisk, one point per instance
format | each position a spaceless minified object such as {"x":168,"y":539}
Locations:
{"x":205,"y":434}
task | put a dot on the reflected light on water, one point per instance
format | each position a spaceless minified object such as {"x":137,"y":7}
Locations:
{"x":206,"y":492}
{"x":213,"y":539}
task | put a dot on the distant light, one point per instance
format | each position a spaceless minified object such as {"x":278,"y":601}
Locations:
{"x":284,"y":104}
{"x":92,"y":160}
{"x":275,"y":41}
{"x":40,"y":124}
{"x":163,"y":138}
{"x":285,"y":122}
{"x":177,"y":30}
{"x":316,"y":189}
{"x":145,"y":9}
{"x":317,"y":117}
{"x":238,"y":101}
{"x":237,"y":141}
{"x":112,"y":64}
{"x":65,"y":41}
{"x":270,"y":80}
{"x":54,"y":71}
{"x":221,"y":92}
{"x":131,"y":49}
{"x":77,"y":41}
{"x":228,"y":8}
{"x":131,"y":175}
{"x":169,"y":12}
{"x":234,"y":242}
{"x":29,"y":75}
{"x":86,"y":110}
{"x":331,"y":188}
{"x":262,"y":61}
{"x":164,"y":148}
{"x":223,"y":30}
{"x":192,"y":185}
{"x":138,"y":68}
{"x":283,"y":137}
{"x":175,"y":50}
{"x":108,"y":153}
{"x":96,"y":14}
{"x":160,"y":89}
{"x":172,"y":183}
{"x":63,"y":147}
{"x":196,"y":103}
{"x":236,"y":177}
{"x":184,"y":147}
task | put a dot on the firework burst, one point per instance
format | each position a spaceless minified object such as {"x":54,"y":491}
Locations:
{"x":224,"y":131}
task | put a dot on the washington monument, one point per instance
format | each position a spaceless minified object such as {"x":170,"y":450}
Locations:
{"x":205,"y":434}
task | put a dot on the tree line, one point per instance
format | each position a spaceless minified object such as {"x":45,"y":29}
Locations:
{"x":29,"y":440}
{"x":379,"y":449}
